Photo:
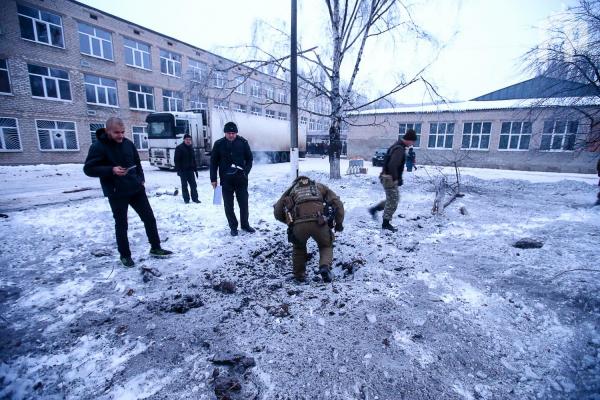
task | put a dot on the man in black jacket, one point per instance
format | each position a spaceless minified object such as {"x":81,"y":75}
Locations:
{"x":115,"y":160}
{"x":185,"y":165}
{"x":232,"y":156}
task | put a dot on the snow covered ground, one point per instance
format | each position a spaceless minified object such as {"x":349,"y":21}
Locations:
{"x":446,"y":308}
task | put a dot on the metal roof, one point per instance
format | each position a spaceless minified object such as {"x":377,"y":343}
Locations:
{"x":473,"y":105}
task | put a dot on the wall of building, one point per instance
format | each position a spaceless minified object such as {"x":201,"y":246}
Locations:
{"x":382,"y":130}
{"x":26,"y":109}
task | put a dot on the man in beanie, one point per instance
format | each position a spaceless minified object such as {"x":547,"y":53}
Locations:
{"x":391,"y":178}
{"x":232,"y":156}
{"x":185,"y":165}
{"x":114,"y":159}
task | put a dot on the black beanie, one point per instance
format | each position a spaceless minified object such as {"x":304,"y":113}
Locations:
{"x":187,"y":135}
{"x":410,"y":135}
{"x":230,"y":127}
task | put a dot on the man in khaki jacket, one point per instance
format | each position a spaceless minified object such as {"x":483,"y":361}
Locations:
{"x":302,"y":208}
{"x":391,"y":178}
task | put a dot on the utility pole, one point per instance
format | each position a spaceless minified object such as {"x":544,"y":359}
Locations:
{"x":294,"y":94}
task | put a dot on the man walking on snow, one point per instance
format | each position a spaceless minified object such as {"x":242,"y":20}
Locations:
{"x":114,"y":159}
{"x":391,"y":178}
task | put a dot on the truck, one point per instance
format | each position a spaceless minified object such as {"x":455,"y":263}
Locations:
{"x":269,"y":138}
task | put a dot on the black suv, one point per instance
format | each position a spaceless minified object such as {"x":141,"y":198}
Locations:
{"x":378,"y":157}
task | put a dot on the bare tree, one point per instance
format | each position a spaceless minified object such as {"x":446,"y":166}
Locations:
{"x":328,"y":73}
{"x":352,"y":25}
{"x":570,"y":57}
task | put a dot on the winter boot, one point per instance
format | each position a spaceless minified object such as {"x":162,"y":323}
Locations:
{"x":326,"y":274}
{"x":300,"y":278}
{"x":373,"y":211}
{"x":160,"y":253}
{"x":127,"y":262}
{"x":386,"y":225}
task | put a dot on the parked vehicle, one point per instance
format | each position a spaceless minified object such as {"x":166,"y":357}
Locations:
{"x":269,"y":138}
{"x":378,"y":157}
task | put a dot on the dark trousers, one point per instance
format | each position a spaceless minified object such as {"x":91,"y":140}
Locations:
{"x":139,"y":202}
{"x":238,"y":184}
{"x":188,"y":178}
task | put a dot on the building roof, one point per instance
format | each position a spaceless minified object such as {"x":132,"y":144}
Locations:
{"x":541,"y":87}
{"x":473,"y":105}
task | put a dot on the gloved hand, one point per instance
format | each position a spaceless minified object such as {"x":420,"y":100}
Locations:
{"x":339,"y":227}
{"x":196,"y":172}
{"x":400,"y":182}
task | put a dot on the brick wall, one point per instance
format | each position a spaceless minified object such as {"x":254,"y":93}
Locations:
{"x":26,"y":109}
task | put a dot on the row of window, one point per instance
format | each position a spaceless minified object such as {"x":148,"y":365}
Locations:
{"x":557,"y":135}
{"x":53,"y":83}
{"x":57,"y":135}
{"x":46,"y":28}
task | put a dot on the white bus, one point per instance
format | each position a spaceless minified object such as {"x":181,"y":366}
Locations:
{"x":269,"y":138}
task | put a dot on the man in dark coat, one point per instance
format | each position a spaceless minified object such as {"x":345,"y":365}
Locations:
{"x":232,"y":156}
{"x":391,"y":178}
{"x":185,"y":165}
{"x":115,"y":160}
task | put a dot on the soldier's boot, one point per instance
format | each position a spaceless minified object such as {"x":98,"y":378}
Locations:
{"x":373,"y":211}
{"x":326,"y":274}
{"x":386,"y":225}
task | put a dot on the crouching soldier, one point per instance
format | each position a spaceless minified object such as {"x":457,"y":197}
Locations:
{"x":303,"y":208}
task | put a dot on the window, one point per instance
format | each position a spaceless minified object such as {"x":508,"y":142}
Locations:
{"x":282,"y":96}
{"x":441,"y":135}
{"x":256,"y":110}
{"x":198,"y":70}
{"x":140,"y":97}
{"x":137,"y":54}
{"x":170,"y":63}
{"x":172,"y":100}
{"x":9,"y":135}
{"x":269,"y":92}
{"x":270,"y":114}
{"x":57,"y":135}
{"x":312,"y":125}
{"x":240,"y":108}
{"x":49,"y":83}
{"x":403,"y":127}
{"x":4,"y":77}
{"x":476,"y":135}
{"x":282,"y":116}
{"x":255,"y":89}
{"x":140,"y":137}
{"x":95,"y":42}
{"x":101,"y":91}
{"x":239,"y":85}
{"x":559,"y":135}
{"x":515,"y":135}
{"x":219,"y":80}
{"x":221,"y":105}
{"x":303,"y":120}
{"x":198,"y":102}
{"x":93,"y":128}
{"x":40,"y":26}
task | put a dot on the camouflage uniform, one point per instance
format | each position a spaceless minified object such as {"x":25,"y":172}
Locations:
{"x":392,"y":196}
{"x":301,"y":207}
{"x":391,"y":179}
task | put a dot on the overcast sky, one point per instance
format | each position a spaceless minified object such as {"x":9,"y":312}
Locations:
{"x":483,"y":39}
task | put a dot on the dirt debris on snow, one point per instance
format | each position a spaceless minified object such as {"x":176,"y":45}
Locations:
{"x":446,"y":308}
